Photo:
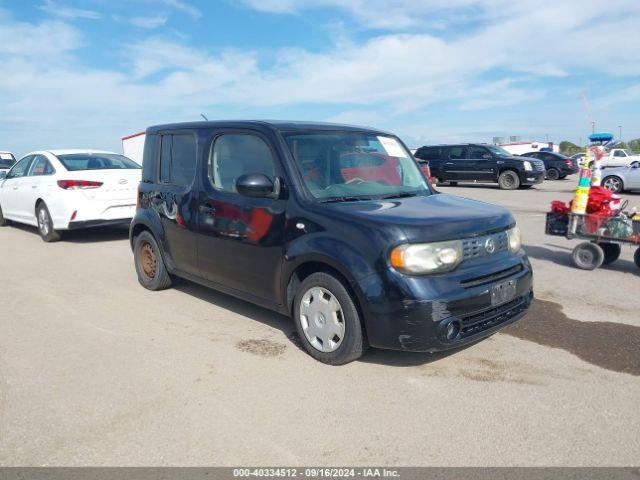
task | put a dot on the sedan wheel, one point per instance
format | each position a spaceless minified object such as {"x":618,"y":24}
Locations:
{"x":45,"y":224}
{"x":614,"y":184}
{"x":553,"y":174}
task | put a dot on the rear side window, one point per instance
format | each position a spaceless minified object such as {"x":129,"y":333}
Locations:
{"x":149,"y":158}
{"x":234,"y":155}
{"x":457,"y":153}
{"x":177,"y":159}
{"x":40,"y":166}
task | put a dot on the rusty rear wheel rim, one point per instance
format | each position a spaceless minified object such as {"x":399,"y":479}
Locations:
{"x":148,"y":261}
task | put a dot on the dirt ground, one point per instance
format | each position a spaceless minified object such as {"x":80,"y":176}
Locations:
{"x":95,"y":370}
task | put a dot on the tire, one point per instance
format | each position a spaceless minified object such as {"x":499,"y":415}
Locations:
{"x":45,"y":224}
{"x":611,"y":252}
{"x":3,"y":221}
{"x":553,"y":174}
{"x":613,"y":184}
{"x":563,"y":176}
{"x":636,"y":257}
{"x":509,"y":180}
{"x":149,"y":262}
{"x":347,"y":343}
{"x":588,"y":256}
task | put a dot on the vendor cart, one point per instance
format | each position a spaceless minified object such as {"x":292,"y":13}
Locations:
{"x":605,"y":236}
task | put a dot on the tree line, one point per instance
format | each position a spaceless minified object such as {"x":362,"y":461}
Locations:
{"x":570,"y":148}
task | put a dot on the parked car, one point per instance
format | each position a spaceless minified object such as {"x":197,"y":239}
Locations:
{"x":622,"y":178}
{"x":60,"y":190}
{"x":481,"y":163}
{"x":618,"y":157}
{"x":335,"y":226}
{"x":6,"y":161}
{"x":558,"y":166}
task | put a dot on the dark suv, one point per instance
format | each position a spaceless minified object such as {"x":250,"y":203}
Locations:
{"x":481,"y":163}
{"x":335,"y":226}
{"x":558,"y":166}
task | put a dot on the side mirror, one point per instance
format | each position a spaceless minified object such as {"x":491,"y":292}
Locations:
{"x":3,"y":175}
{"x":256,"y":185}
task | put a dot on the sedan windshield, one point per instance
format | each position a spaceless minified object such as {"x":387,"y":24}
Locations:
{"x":97,"y":161}
{"x":348,"y":166}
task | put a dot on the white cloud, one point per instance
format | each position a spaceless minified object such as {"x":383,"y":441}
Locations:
{"x":59,"y":10}
{"x":375,"y":81}
{"x":150,"y":21}
{"x":184,"y":7}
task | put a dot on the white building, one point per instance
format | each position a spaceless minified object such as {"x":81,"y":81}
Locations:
{"x":133,"y":147}
{"x":520,"y":148}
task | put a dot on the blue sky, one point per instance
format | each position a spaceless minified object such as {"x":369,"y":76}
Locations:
{"x":86,"y":73}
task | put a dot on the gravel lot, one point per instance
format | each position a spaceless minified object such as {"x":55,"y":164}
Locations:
{"x":95,"y":370}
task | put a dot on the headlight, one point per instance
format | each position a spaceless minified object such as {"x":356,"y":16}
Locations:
{"x":427,"y":257}
{"x":527,"y":166}
{"x":515,"y":239}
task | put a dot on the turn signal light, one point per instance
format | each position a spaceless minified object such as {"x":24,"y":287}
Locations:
{"x":77,"y":184}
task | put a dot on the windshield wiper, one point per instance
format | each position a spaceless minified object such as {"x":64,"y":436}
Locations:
{"x":345,"y":199}
{"x":399,"y":195}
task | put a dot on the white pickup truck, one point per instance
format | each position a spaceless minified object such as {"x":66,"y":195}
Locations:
{"x":619,"y":157}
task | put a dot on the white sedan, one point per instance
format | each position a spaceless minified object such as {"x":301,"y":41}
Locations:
{"x":59,"y":190}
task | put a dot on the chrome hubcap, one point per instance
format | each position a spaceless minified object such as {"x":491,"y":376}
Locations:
{"x":612,"y":184}
{"x":43,"y":221}
{"x":322,"y":319}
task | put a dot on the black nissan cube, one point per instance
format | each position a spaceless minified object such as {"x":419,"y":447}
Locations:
{"x":332,"y":225}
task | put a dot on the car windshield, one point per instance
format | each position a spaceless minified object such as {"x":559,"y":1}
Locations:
{"x":97,"y":161}
{"x":627,"y":152}
{"x":349,"y":166}
{"x":498,"y":151}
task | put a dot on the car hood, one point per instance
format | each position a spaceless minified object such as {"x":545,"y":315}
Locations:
{"x":429,"y":218}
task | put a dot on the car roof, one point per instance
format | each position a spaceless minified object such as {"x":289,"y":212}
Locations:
{"x":69,"y":151}
{"x":285,"y":125}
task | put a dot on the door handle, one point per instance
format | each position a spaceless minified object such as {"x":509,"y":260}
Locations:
{"x":34,"y":186}
{"x":15,"y":188}
{"x":207,"y":209}
{"x":449,"y":163}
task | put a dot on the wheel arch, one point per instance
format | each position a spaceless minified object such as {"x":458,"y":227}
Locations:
{"x":316,"y":263}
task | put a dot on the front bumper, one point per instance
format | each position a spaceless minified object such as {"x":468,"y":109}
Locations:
{"x":412,"y":313}
{"x":531,"y":178}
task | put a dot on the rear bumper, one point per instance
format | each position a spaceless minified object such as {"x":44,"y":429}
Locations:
{"x":413,"y":313}
{"x":531,"y":178}
{"x":98,"y":223}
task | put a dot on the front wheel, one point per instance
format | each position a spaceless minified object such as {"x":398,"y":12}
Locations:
{"x":3,"y":221}
{"x":588,"y":256}
{"x":509,"y":180}
{"x":636,"y":257}
{"x":45,"y":224}
{"x":327,"y":320}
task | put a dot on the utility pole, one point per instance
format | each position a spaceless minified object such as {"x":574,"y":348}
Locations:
{"x":593,"y":126}
{"x":620,"y":129}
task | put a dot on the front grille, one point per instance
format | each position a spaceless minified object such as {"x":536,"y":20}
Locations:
{"x":492,"y":277}
{"x":477,"y":247}
{"x":479,"y":322}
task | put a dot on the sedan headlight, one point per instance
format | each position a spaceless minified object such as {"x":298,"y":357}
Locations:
{"x":427,"y":257}
{"x":515,"y":239}
{"x":527,"y":166}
